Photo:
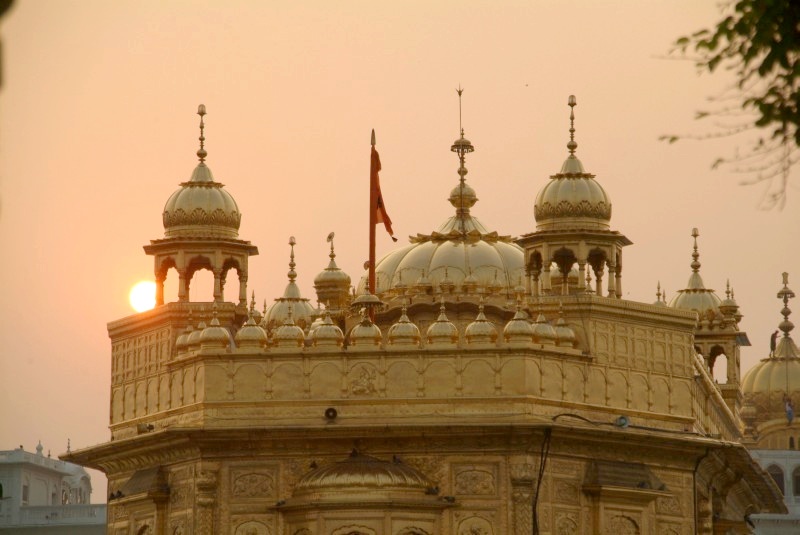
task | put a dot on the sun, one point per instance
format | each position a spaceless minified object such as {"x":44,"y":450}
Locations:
{"x":143,"y":296}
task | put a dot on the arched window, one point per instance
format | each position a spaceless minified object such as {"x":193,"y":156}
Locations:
{"x":776,"y":473}
{"x":796,"y":481}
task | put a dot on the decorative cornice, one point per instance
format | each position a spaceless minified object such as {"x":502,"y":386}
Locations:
{"x":565,"y":208}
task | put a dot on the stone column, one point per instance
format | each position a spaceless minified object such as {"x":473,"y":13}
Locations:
{"x":217,"y":285}
{"x":183,"y":286}
{"x":242,"y":288}
{"x":160,"y":288}
{"x":206,"y":484}
{"x":522,"y":487}
{"x":612,"y":272}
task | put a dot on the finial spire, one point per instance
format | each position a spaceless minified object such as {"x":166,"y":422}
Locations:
{"x":330,"y":240}
{"x":201,"y":153}
{"x":572,"y":145}
{"x":372,"y":140}
{"x":695,"y":255}
{"x":658,"y":292}
{"x":292,"y":273}
{"x":460,"y":90}
{"x":786,"y":293}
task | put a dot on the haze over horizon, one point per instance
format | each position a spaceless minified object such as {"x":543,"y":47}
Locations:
{"x":98,"y":126}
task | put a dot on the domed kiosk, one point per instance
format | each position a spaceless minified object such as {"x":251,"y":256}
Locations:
{"x":201,"y":231}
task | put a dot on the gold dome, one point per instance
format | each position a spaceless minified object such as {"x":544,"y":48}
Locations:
{"x":565,"y":336}
{"x":201,"y":207}
{"x":442,"y":331}
{"x":327,"y":334}
{"x":365,"y":335}
{"x":769,"y":384}
{"x":481,"y":331}
{"x":461,"y":253}
{"x":543,"y":332}
{"x":403,"y":333}
{"x":359,"y":473}
{"x":289,"y":335}
{"x":519,"y":330}
{"x":292,"y":302}
{"x":215,"y":336}
{"x":696,"y":296}
{"x":572,"y":199}
{"x":251,"y":335}
{"x":332,"y":284}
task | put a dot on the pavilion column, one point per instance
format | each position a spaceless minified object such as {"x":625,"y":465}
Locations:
{"x":217,"y":285}
{"x":581,"y":276}
{"x":243,"y":288}
{"x":183,"y":286}
{"x":619,"y":281}
{"x":546,"y":285}
{"x":160,"y":288}
{"x":612,"y":270}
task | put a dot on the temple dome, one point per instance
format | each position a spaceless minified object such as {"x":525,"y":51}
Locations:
{"x":201,"y":208}
{"x":572,"y":199}
{"x":359,"y":473}
{"x":696,"y":296}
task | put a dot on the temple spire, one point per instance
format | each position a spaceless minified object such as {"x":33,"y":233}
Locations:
{"x":572,"y":145}
{"x":201,"y":152}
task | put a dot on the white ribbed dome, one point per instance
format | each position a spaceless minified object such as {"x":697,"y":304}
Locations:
{"x":201,"y":208}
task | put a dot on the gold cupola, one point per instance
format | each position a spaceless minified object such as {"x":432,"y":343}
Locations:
{"x":481,"y":331}
{"x":333,"y":285}
{"x":365,"y":334}
{"x":289,"y":335}
{"x":519,"y":330}
{"x":772,"y":387}
{"x":251,"y":337}
{"x":215,"y":336}
{"x":201,"y":231}
{"x":302,"y":311}
{"x":442,"y":332}
{"x":696,"y":296}
{"x":403,"y":334}
{"x":327,"y":334}
{"x":573,"y":227}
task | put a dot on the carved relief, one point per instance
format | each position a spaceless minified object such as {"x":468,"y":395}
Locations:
{"x":362,"y":382}
{"x":178,"y":496}
{"x":433,"y":467}
{"x":477,"y":482}
{"x":668,"y":506}
{"x":622,"y":525}
{"x":474,"y":526}
{"x":564,"y":208}
{"x":253,"y":485}
{"x":199,"y":216}
{"x":566,"y":492}
{"x":566,"y":523}
{"x":669,"y":529}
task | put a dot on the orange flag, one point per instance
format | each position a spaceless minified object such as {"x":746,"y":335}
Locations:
{"x":378,"y":208}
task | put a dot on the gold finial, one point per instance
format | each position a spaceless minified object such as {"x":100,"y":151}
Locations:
{"x":728,"y":289}
{"x":658,"y":292}
{"x":459,"y":91}
{"x":292,"y":273}
{"x":695,"y":255}
{"x":330,"y":239}
{"x":201,"y":153}
{"x":785,"y":294}
{"x":253,"y":302}
{"x":572,"y":145}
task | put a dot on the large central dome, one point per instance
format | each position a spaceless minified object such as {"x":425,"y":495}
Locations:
{"x":462,"y":256}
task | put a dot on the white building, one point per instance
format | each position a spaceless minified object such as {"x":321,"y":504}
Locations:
{"x":43,"y":495}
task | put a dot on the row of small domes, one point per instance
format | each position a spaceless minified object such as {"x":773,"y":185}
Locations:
{"x":366,"y":334}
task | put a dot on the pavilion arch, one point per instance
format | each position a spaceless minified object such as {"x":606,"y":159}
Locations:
{"x":714,"y":354}
{"x":776,"y":473}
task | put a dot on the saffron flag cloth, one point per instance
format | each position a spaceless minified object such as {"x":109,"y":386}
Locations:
{"x":379,"y":209}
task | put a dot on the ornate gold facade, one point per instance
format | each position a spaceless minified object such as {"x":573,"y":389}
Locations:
{"x":490,"y":396}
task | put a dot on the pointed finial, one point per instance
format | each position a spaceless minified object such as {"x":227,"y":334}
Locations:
{"x":785,"y":294}
{"x":253,"y":303}
{"x":728,"y":289}
{"x":658,"y":292}
{"x":69,"y":447}
{"x":695,"y":255}
{"x":460,"y":90}
{"x":330,"y":240}
{"x":372,"y":141}
{"x":201,"y":153}
{"x":265,"y":308}
{"x":292,"y":273}
{"x":572,"y":145}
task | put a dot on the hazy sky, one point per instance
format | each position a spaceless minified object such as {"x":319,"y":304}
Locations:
{"x":98,"y":128}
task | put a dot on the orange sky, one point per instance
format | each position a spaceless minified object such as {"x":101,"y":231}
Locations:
{"x":98,"y":127}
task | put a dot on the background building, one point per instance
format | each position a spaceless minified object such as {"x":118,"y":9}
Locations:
{"x":771,"y":391}
{"x":48,"y":496}
{"x":504,"y":386}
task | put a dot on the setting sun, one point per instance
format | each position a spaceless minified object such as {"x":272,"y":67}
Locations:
{"x":143,"y":296}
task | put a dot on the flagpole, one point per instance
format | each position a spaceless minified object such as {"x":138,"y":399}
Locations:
{"x":373,"y":220}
